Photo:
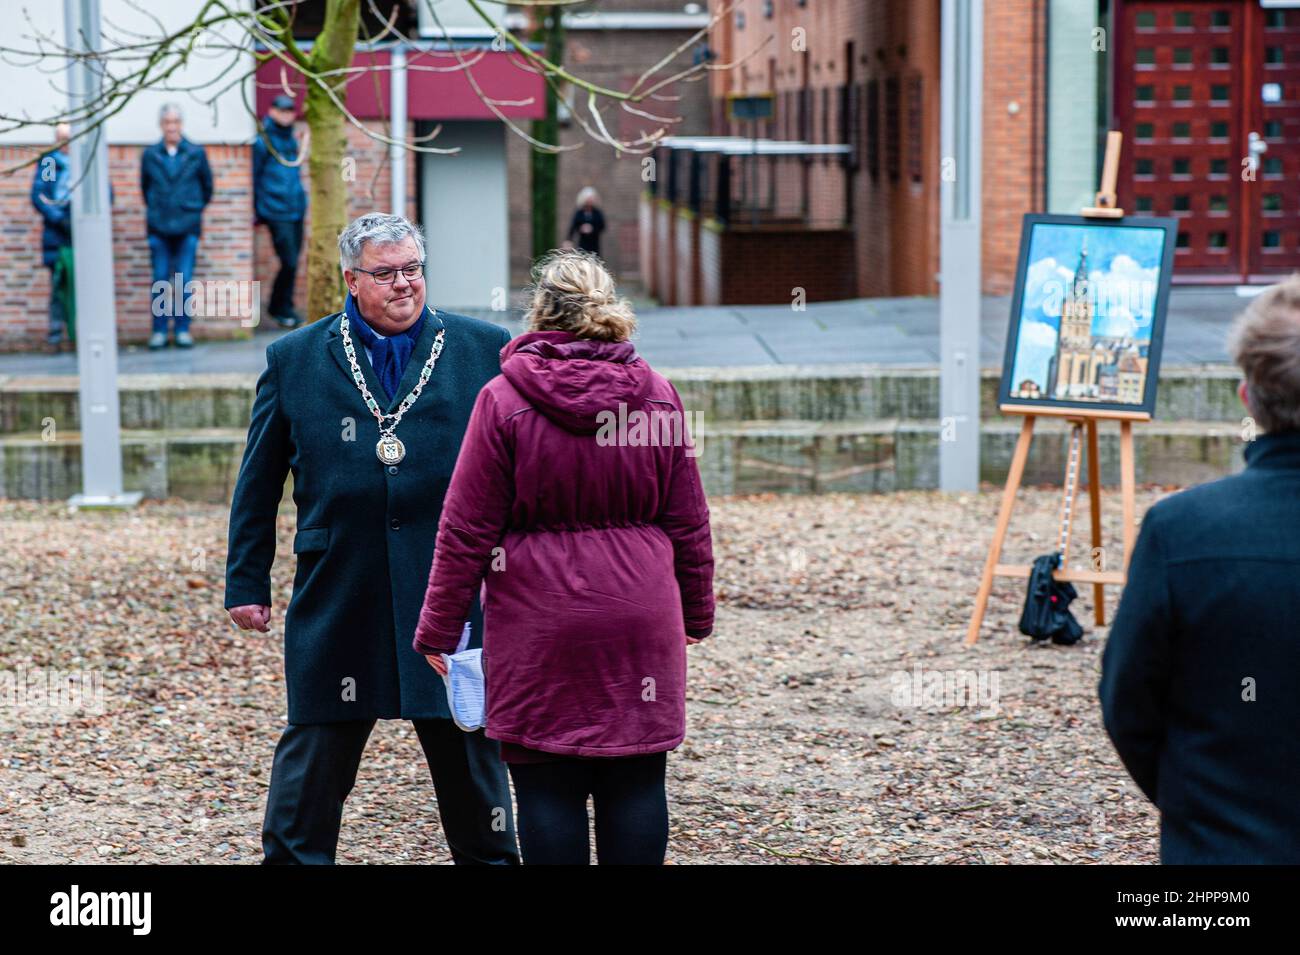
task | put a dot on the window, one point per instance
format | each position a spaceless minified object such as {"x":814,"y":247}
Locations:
{"x":1143,"y":167}
{"x":1182,"y":167}
{"x":1271,"y":202}
{"x":1182,"y":203}
{"x":1219,"y":129}
{"x":915,"y":128}
{"x":1144,"y":204}
{"x":1218,"y":167}
{"x":1145,"y":130}
{"x":1182,"y":93}
{"x":1183,"y":241}
{"x":1272,"y":129}
{"x":893,"y":95}
{"x":1145,"y":94}
{"x":1183,"y":55}
{"x":1146,"y":56}
{"x":1274,"y":19}
{"x":1273,"y":55}
{"x":1273,"y":166}
{"x":1183,"y":20}
{"x":1271,"y":240}
{"x":1219,"y":93}
{"x":1182,"y":130}
{"x":1221,"y":19}
{"x":1219,"y":241}
{"x":1219,"y":56}
{"x":1146,"y":21}
{"x":1218,"y":203}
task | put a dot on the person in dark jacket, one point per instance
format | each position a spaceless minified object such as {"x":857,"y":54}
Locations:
{"x":280,"y":201}
{"x":576,"y":504}
{"x":1200,"y":686}
{"x":176,"y":182}
{"x":52,"y":200}
{"x":588,"y":222}
{"x":364,"y":542}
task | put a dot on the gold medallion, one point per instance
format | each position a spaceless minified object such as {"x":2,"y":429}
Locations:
{"x":390,"y":449}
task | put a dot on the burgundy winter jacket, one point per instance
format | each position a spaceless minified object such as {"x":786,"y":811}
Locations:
{"x":594,"y":553}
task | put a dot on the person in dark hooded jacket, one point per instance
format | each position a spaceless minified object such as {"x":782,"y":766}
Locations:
{"x":576,"y":504}
{"x":280,"y":201}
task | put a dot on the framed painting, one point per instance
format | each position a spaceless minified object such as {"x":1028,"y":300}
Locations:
{"x":1088,"y":315}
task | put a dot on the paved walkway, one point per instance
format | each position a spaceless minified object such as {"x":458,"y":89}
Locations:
{"x":890,"y":331}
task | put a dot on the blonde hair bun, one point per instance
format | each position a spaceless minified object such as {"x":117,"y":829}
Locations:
{"x":573,"y":292}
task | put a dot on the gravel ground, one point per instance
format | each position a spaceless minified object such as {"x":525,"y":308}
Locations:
{"x":806,"y":742}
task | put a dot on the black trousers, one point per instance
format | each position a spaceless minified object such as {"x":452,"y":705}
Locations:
{"x":286,"y":237}
{"x":315,"y":768}
{"x":630,"y":802}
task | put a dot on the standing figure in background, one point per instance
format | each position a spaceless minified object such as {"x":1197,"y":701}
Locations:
{"x":51,"y":197}
{"x":588,"y":222}
{"x":176,"y":183}
{"x":280,"y":201}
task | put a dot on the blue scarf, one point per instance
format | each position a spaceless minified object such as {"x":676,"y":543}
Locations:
{"x":388,"y":356}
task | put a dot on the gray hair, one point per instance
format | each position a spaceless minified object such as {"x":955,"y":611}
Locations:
{"x":170,"y":109}
{"x":379,"y":228}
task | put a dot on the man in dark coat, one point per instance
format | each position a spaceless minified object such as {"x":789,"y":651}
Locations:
{"x":52,"y":199}
{"x":280,"y":201}
{"x":367,"y":519}
{"x":176,"y":182}
{"x":1200,"y":686}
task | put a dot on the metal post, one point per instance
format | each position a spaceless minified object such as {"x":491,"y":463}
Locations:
{"x":92,"y":234}
{"x":962,"y":69}
{"x":397,"y":107}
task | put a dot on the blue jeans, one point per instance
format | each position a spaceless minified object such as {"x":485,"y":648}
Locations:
{"x":172,"y":255}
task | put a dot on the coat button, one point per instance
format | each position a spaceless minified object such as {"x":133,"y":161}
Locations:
{"x":395,"y":524}
{"x":392,"y":469}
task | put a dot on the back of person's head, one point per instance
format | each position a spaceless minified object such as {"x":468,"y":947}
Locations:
{"x":573,"y":292}
{"x":1265,"y":343}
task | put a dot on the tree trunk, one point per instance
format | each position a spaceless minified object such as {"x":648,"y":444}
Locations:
{"x":546,"y":166}
{"x":332,"y":171}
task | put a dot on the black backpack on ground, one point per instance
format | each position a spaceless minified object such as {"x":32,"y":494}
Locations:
{"x":1047,"y":605}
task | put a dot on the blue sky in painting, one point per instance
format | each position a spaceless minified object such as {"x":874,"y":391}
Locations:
{"x":1123,"y":275}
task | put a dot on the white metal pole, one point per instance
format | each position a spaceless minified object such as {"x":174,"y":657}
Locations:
{"x":962,"y":78}
{"x":397,"y":150}
{"x":96,"y":319}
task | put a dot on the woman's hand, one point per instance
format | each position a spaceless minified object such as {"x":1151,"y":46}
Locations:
{"x":693,"y":640}
{"x":437,"y":662}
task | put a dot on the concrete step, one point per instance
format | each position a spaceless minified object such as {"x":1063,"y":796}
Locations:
{"x":735,"y":457}
{"x":818,"y":393}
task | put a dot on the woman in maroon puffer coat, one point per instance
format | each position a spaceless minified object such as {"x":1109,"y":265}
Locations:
{"x":576,"y":503}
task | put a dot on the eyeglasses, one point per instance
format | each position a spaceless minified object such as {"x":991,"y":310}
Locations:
{"x":389,"y":276}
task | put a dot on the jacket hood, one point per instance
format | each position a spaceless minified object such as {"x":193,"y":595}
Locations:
{"x":571,"y":380}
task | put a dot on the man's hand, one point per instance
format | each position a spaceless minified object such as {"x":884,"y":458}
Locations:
{"x":693,"y":640}
{"x":437,"y":662}
{"x":251,"y":617}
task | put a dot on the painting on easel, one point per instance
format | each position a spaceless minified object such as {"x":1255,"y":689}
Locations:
{"x":1088,"y":313}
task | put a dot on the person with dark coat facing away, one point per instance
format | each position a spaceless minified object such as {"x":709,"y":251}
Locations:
{"x":366,"y":408}
{"x":591,"y":544}
{"x":280,"y":201}
{"x":1200,"y":686}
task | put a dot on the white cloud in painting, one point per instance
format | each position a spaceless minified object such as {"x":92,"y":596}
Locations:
{"x":1034,"y":350}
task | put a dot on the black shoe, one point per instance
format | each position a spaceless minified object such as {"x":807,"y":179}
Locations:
{"x":290,"y":320}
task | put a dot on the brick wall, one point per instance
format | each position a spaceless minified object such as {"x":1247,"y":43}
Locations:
{"x":767,"y":266}
{"x":1014,"y":125}
{"x":686,"y":255}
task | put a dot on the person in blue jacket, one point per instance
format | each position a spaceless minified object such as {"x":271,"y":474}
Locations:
{"x":176,"y":182}
{"x":280,"y":201}
{"x":51,"y":198}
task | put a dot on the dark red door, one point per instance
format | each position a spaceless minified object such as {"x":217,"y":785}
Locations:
{"x":1207,"y":96}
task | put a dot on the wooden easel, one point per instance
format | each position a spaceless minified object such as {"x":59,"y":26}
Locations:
{"x":1082,"y":420}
